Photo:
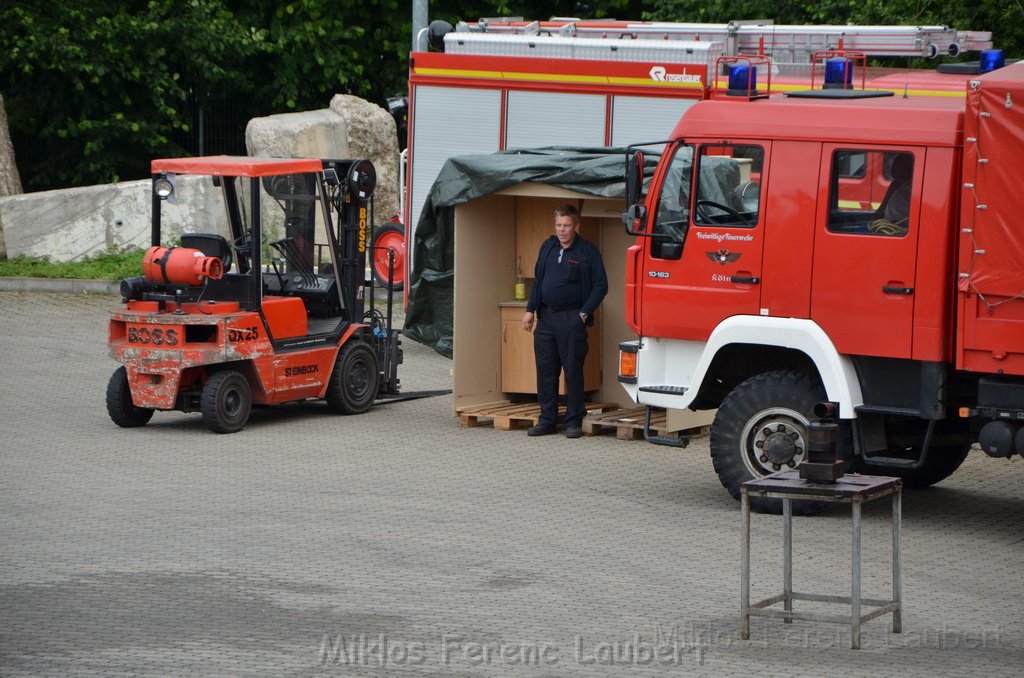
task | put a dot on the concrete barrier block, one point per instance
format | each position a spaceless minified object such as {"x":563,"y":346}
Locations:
{"x":75,"y":223}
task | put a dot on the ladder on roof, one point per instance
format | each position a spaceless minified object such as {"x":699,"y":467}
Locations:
{"x":787,"y":44}
{"x":704,"y":52}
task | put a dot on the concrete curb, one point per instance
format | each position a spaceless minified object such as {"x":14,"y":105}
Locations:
{"x":64,"y":285}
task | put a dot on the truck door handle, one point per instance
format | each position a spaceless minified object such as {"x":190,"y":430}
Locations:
{"x":745,"y":279}
{"x":888,"y":289}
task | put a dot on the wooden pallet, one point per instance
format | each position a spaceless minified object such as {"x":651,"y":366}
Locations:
{"x":629,"y":424}
{"x":506,"y":415}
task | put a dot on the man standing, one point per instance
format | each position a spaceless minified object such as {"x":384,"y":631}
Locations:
{"x":569,"y":284}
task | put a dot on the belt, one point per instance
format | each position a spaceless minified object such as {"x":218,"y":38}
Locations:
{"x":560,"y":309}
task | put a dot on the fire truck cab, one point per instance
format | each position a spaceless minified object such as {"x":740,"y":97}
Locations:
{"x":839,"y":244}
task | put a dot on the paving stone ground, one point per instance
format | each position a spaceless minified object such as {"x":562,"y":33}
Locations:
{"x":397,"y":542}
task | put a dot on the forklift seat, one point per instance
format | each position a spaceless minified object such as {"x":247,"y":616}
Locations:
{"x":210,"y":244}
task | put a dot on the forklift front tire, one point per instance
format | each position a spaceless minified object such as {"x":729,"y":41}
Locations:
{"x":355,"y":379}
{"x":226,"y":401}
{"x":120,"y":407}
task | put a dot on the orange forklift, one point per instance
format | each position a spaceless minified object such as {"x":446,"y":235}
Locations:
{"x":230,"y":317}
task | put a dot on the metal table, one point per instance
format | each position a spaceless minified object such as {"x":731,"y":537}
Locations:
{"x":850,"y":489}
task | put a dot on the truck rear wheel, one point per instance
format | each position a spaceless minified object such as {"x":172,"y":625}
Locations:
{"x":120,"y":407}
{"x":761,"y":428}
{"x":354,"y":381}
{"x":226,"y":401}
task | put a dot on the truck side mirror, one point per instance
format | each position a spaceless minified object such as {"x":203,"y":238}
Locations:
{"x":635,"y":219}
{"x":634,"y":177}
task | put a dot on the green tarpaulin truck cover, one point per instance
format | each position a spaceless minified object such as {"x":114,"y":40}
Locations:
{"x":591,"y":171}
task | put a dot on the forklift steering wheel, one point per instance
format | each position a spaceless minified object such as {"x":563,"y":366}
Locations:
{"x":241,"y":246}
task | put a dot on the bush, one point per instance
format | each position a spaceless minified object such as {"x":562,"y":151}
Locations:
{"x":106,"y":266}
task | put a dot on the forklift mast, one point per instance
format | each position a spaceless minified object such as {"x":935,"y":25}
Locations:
{"x":350,"y":183}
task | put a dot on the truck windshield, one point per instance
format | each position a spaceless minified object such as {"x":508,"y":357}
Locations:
{"x":673,"y":211}
{"x":728,"y":185}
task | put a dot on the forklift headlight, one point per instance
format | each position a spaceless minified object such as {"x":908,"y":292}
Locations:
{"x":164,"y":187}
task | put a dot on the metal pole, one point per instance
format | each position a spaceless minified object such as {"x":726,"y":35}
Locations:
{"x":745,"y":567}
{"x":787,"y":556}
{"x":855,"y":579}
{"x":897,"y":561}
{"x":419,"y":20}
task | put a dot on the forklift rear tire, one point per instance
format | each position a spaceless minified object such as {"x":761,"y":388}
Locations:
{"x":354,"y":381}
{"x":120,"y":407}
{"x":226,"y":401}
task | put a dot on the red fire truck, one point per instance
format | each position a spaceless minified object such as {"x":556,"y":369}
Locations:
{"x":839,"y":244}
{"x":498,"y":84}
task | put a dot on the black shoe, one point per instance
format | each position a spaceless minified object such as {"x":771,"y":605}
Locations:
{"x":573,"y":432}
{"x":540,"y":430}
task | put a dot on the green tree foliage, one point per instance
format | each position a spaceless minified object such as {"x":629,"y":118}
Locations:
{"x":318,"y":48}
{"x":101,"y":87}
{"x":96,"y":89}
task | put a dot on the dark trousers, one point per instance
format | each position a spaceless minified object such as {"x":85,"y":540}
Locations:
{"x":560,"y":343}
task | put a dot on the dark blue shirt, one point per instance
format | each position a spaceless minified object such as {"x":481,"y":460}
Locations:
{"x":593,"y":281}
{"x":561,"y":286}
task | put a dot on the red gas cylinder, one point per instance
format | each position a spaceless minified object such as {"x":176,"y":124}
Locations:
{"x":180,"y":265}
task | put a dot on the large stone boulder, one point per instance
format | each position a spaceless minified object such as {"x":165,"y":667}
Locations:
{"x":10,"y":181}
{"x":350,"y":128}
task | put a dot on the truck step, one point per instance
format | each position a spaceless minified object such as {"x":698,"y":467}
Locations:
{"x":666,"y":389}
{"x":895,"y":462}
{"x":884,"y":409}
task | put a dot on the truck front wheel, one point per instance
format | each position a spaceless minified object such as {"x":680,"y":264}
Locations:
{"x":761,"y":428}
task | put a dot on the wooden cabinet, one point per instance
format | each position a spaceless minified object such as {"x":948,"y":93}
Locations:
{"x":535,"y":223}
{"x":518,"y":369}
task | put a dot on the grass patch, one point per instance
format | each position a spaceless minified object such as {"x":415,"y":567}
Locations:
{"x":106,"y":266}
